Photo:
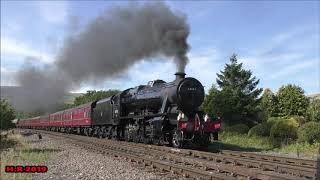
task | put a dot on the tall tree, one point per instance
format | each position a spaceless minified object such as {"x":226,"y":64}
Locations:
{"x":269,"y":103}
{"x":313,"y":111}
{"x":6,"y":115}
{"x":292,"y":101}
{"x":93,"y":96}
{"x":211,"y":100}
{"x":237,"y":100}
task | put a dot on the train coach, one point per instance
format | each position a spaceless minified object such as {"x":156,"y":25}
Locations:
{"x":159,"y":112}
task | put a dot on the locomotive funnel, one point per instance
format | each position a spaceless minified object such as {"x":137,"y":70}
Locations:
{"x":180,"y":75}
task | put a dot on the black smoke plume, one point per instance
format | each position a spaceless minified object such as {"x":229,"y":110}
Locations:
{"x":107,"y":47}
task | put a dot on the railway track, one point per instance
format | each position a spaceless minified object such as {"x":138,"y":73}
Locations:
{"x":199,"y":164}
{"x":270,"y":158}
{"x":300,"y":168}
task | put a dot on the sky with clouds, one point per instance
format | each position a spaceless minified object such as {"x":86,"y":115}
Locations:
{"x":278,"y":41}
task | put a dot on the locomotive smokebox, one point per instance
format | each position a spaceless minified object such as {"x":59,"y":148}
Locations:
{"x":180,"y":75}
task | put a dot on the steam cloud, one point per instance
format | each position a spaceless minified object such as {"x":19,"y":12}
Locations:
{"x":107,"y":47}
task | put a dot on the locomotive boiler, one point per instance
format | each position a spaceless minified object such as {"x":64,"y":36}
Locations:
{"x":185,"y":93}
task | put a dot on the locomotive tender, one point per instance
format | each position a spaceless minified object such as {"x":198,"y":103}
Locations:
{"x":159,"y":112}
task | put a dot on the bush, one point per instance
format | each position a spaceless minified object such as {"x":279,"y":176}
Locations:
{"x":273,"y":120}
{"x":309,"y":132}
{"x":299,"y":119}
{"x":284,"y":131}
{"x":262,"y":129}
{"x":238,"y":129}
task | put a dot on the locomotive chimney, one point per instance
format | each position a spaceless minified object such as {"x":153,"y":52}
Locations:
{"x":180,"y":75}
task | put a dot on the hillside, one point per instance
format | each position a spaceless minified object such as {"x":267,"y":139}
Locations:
{"x":314,"y":96}
{"x":8,"y":92}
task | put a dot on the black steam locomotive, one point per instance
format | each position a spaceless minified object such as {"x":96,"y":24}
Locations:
{"x":160,"y":112}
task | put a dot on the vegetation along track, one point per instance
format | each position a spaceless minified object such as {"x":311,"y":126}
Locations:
{"x":199,"y":164}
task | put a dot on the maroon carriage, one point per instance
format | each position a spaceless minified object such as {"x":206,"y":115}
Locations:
{"x":55,"y":119}
{"x":44,"y":121}
{"x":81,"y":115}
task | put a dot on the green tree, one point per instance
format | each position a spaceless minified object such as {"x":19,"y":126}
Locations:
{"x":313,"y":111}
{"x":6,"y":115}
{"x":64,"y":106}
{"x":210,"y":103}
{"x":269,"y":103}
{"x":93,"y":96}
{"x":23,"y":115}
{"x":292,"y":101}
{"x":237,"y":100}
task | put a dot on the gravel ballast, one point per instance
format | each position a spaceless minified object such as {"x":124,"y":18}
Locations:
{"x":70,"y":161}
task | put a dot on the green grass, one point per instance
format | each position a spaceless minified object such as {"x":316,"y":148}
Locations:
{"x":300,"y":149}
{"x":242,"y":142}
{"x":17,"y":151}
{"x":6,"y":143}
{"x":34,"y":155}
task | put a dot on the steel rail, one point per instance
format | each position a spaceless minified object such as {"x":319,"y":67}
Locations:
{"x":140,"y":158}
{"x":295,"y":169}
{"x":298,"y":171}
{"x":233,"y":166}
{"x":271,"y":158}
{"x":229,"y":169}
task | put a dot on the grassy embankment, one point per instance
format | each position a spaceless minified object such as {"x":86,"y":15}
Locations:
{"x":15,"y":150}
{"x":243,"y":142}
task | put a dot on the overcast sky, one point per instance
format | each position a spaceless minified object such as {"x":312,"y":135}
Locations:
{"x":278,"y":41}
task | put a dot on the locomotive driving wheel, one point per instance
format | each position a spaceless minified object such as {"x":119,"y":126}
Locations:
{"x":127,"y":134}
{"x":177,"y":139}
{"x":114,"y":134}
{"x":100,"y":133}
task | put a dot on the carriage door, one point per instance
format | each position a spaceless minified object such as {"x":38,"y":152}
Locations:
{"x":116,"y":109}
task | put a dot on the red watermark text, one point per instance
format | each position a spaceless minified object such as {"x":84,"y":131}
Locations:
{"x":26,"y":169}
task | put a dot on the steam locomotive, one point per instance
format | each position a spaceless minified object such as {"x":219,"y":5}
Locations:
{"x":159,"y":113}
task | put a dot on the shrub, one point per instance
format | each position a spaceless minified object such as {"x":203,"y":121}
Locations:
{"x":309,"y":132}
{"x":262,"y":129}
{"x":284,"y":131}
{"x":273,"y":120}
{"x":238,"y":129}
{"x":299,"y":119}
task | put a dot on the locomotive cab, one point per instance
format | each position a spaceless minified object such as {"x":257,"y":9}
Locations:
{"x":155,"y":82}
